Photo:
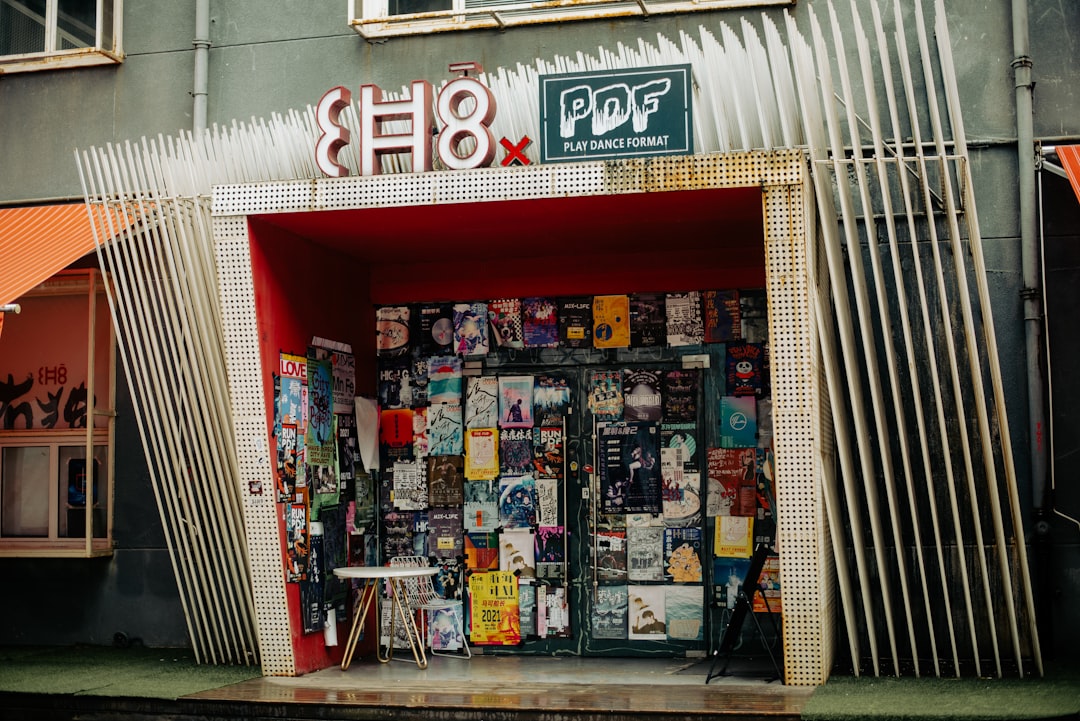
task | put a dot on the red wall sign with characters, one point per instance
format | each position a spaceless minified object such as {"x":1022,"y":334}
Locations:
{"x":465,"y":108}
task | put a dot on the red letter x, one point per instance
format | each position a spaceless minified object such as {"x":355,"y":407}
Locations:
{"x":515,"y":154}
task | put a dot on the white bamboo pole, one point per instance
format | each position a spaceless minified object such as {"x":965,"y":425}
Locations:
{"x":971,"y":338}
{"x":851,"y":351}
{"x":903,"y":305}
{"x":803,"y":63}
{"x":205,"y":382}
{"x":975,"y":242}
{"x":140,"y":377}
{"x":946,"y":325}
{"x":105,"y":233}
{"x":151,"y":311}
{"x":884,"y":320}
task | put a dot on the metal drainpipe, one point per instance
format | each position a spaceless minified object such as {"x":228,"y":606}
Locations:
{"x":202,"y":65}
{"x":1033,"y":315}
{"x":1029,"y":249}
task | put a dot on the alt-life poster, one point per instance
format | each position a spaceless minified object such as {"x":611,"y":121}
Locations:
{"x":515,"y":451}
{"x":645,"y":553}
{"x":609,"y":613}
{"x":319,"y":442}
{"x":444,"y":379}
{"x":446,"y":475}
{"x":575,"y":322}
{"x":629,"y":460}
{"x":548,"y":452}
{"x":517,"y":502}
{"x":745,"y":369}
{"x":680,"y":395}
{"x":738,"y":421}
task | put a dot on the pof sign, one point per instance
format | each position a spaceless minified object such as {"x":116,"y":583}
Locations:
{"x":374,"y":111}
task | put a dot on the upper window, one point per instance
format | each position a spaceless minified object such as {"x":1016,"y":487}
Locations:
{"x":57,"y":370}
{"x":382,"y":18}
{"x":47,"y":34}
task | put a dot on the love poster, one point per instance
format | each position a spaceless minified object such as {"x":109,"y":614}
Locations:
{"x":495,"y":612}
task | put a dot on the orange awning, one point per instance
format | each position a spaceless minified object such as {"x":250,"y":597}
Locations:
{"x":37,"y":242}
{"x":1069,"y":155}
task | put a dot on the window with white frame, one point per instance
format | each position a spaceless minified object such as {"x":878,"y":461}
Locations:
{"x":45,"y":34}
{"x":56,"y":399}
{"x":382,"y":18}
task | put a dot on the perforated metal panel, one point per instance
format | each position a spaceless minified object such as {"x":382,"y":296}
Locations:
{"x":237,"y":298}
{"x":695,"y":172}
{"x":805,"y":569}
{"x":797,"y":408}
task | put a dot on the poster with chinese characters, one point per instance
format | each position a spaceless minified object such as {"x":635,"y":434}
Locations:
{"x":494,"y":609}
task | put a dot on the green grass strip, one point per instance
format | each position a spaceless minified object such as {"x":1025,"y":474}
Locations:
{"x":106,"y":671}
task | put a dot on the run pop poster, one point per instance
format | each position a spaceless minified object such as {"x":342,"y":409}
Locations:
{"x":494,"y":610}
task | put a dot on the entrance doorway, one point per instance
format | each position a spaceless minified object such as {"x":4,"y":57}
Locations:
{"x":723,"y":221}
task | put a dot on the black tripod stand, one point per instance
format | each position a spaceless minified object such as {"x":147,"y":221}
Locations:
{"x":744,"y":606}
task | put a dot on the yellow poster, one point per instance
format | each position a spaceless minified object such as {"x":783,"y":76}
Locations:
{"x":495,"y":612}
{"x":611,"y":321}
{"x":481,"y":454}
{"x":734,"y":537}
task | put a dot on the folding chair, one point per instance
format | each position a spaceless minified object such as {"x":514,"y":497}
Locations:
{"x":424,"y":598}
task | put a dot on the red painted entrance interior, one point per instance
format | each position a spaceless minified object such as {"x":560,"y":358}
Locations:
{"x":322,"y":273}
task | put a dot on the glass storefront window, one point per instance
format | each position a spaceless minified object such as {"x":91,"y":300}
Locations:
{"x":55,"y":401}
{"x":71,"y":486}
{"x":25,"y":497}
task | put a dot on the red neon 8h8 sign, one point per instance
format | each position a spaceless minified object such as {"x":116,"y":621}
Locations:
{"x":417,"y":141}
